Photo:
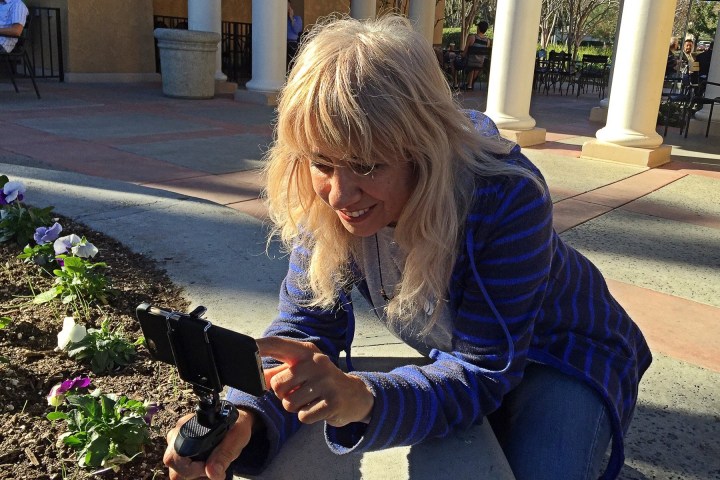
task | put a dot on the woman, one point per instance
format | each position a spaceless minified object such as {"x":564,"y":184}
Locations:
{"x":378,"y":180}
{"x":475,"y":53}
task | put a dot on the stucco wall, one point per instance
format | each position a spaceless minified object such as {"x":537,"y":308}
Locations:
{"x":102,"y":37}
{"x":232,"y":10}
{"x":309,"y":10}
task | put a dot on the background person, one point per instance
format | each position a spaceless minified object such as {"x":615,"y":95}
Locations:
{"x":688,"y":56}
{"x":475,"y":61}
{"x":673,"y":62}
{"x":294,"y":30}
{"x":704,"y":58}
{"x":379,"y":181}
{"x":13,"y":15}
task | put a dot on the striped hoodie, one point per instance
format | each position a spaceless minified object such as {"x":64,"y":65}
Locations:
{"x":518,"y":293}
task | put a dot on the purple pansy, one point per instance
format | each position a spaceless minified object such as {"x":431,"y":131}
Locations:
{"x":12,"y":191}
{"x":151,"y":409}
{"x":57,"y":393}
{"x":45,"y":235}
{"x":77,"y":382}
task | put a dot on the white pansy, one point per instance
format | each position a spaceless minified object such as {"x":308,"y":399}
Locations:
{"x":54,"y":398}
{"x":84,"y":249}
{"x":71,"y":332}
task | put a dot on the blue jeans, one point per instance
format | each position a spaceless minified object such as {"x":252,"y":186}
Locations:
{"x":553,"y":426}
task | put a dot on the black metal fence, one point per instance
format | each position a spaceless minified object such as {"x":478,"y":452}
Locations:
{"x":235,"y":46}
{"x":45,"y":45}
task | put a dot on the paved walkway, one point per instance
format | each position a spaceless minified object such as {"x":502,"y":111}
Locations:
{"x":159,"y":174}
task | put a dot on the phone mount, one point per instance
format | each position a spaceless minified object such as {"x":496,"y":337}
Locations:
{"x":213,"y":417}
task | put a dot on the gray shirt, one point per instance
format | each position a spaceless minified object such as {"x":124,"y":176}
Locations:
{"x":380,"y":256}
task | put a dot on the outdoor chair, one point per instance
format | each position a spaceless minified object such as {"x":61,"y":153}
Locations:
{"x":678,"y":108}
{"x":701,"y":100}
{"x":541,"y":69}
{"x":593,"y":74}
{"x":19,"y":56}
{"x":560,"y":70}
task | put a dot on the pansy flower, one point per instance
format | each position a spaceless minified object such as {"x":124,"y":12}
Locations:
{"x":70,"y":333}
{"x":12,"y":191}
{"x":151,"y":408}
{"x":45,"y":235}
{"x":57,"y":393}
{"x":78,"y":246}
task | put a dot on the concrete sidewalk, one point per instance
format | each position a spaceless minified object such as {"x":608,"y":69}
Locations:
{"x":178,"y":181}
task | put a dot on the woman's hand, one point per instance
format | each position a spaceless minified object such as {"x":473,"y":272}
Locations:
{"x":309,"y":384}
{"x":219,"y":460}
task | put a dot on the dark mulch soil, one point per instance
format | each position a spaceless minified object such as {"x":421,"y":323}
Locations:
{"x":28,"y":441}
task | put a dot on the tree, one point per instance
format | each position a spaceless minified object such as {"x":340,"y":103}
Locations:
{"x":703,"y":20}
{"x":549,"y":16}
{"x":466,"y":13}
{"x":581,"y":17}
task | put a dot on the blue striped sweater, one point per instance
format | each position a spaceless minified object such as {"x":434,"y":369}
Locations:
{"x":518,"y":293}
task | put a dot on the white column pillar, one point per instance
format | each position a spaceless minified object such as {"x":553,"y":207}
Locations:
{"x":512,"y":68}
{"x":206,"y":16}
{"x":712,"y":91}
{"x":362,"y":9}
{"x":269,"y":45}
{"x":422,"y":14}
{"x":639,"y":72}
{"x":599,"y":114}
{"x":629,"y":135}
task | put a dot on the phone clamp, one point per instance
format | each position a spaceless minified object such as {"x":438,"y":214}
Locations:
{"x":213,"y":417}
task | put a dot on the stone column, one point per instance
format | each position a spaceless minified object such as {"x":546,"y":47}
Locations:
{"x":422,"y":14}
{"x":629,"y":135}
{"x":269,"y":50}
{"x":206,"y":16}
{"x":362,"y":9}
{"x":599,"y":114}
{"x":511,"y":70}
{"x":699,"y":123}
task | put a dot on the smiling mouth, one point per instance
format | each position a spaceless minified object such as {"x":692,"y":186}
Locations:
{"x":356,"y":213}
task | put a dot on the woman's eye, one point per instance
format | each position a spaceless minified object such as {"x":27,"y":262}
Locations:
{"x":363,"y":169}
{"x":322,"y":167}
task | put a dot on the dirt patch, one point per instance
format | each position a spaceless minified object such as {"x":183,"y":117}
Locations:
{"x":28,"y":441}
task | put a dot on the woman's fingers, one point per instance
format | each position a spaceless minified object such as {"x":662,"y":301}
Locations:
{"x":230,"y":447}
{"x":285,"y":350}
{"x":219,"y":460}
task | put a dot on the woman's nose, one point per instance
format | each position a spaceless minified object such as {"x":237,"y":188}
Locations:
{"x":344,"y":188}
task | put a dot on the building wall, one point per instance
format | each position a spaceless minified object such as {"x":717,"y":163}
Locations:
{"x":309,"y":11}
{"x":95,"y":42}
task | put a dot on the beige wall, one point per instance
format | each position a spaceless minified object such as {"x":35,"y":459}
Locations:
{"x":96,"y":42}
{"x":103,"y":37}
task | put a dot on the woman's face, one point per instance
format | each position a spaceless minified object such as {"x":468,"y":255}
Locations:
{"x":364,"y":201}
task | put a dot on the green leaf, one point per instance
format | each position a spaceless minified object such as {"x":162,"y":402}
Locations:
{"x":95,"y":452}
{"x":53,"y":416}
{"x":47,"y":295}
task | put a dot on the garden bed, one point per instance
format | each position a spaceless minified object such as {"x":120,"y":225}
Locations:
{"x":29,"y":447}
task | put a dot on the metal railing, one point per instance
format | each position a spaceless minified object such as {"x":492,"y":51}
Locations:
{"x":235,"y":46}
{"x":45,"y":45}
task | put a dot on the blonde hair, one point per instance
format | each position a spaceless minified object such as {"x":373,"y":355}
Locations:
{"x":369,"y":90}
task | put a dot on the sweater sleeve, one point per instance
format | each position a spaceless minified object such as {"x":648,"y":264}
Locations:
{"x":497,"y":290}
{"x":328,"y":329}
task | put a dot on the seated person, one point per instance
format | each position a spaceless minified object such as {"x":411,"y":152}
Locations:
{"x":13,"y":14}
{"x":703,"y":58}
{"x":672,"y":59}
{"x":475,"y":62}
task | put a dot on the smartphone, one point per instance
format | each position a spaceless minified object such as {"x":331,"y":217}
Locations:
{"x":205,"y":355}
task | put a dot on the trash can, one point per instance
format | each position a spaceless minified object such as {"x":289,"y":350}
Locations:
{"x":187,"y":62}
